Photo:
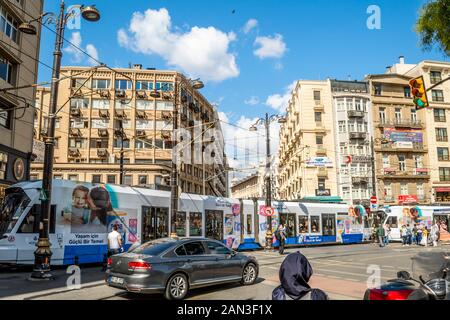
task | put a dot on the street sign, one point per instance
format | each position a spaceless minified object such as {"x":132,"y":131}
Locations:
{"x":373,"y":207}
{"x":269,"y":211}
{"x":348,"y":159}
{"x":373,"y":200}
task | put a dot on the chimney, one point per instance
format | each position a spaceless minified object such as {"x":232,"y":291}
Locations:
{"x":137,"y":66}
{"x":402,"y":59}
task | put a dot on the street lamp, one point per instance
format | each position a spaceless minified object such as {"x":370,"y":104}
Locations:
{"x":267,"y":121}
{"x":43,"y":252}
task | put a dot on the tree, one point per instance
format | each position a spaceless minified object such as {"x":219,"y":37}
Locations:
{"x":433,"y":25}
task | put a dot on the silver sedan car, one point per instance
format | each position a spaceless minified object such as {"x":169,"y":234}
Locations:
{"x":173,"y":266}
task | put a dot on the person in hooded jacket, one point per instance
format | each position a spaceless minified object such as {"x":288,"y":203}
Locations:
{"x":295,"y":272}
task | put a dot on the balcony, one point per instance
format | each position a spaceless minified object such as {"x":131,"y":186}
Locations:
{"x":103,"y":132}
{"x":75,"y":132}
{"x":360,"y":180}
{"x":322,"y":173}
{"x":401,"y":123}
{"x":102,"y":153}
{"x":358,"y":135}
{"x":318,"y":105}
{"x":416,"y":174}
{"x":103,"y":113}
{"x":321,"y":151}
{"x":355,"y":114}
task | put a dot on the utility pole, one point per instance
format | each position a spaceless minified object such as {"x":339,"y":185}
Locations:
{"x":174,"y":174}
{"x":269,"y":234}
{"x":121,"y":151}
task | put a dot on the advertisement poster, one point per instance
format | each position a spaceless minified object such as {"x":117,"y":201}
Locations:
{"x":132,"y":236}
{"x":403,"y":135}
{"x":236,"y":209}
{"x":228,"y":225}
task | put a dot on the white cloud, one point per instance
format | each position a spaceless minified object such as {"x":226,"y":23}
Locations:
{"x":250,"y":25}
{"x":270,"y":47}
{"x":76,"y":55}
{"x":200,"y":52}
{"x":253,"y":101}
{"x":280,"y":102}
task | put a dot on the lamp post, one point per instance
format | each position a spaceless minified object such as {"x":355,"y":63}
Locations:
{"x":43,"y":252}
{"x":267,"y":121}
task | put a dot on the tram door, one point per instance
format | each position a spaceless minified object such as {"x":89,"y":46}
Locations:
{"x":214,"y":224}
{"x":155,"y":223}
{"x":329,"y":224}
{"x":288,"y":220}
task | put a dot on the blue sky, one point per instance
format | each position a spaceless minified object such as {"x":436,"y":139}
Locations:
{"x":319,"y":39}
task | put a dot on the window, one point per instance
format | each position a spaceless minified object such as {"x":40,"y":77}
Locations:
{"x":392,"y":222}
{"x":319,"y":140}
{"x":388,"y":190}
{"x":249,"y":224}
{"x":403,"y":189}
{"x":164,"y":105}
{"x":349,"y":102}
{"x":128,"y":180}
{"x":101,"y":84}
{"x":144,"y":85}
{"x":377,"y":89}
{"x":315,"y":224}
{"x":398,"y":115}
{"x":144,"y":105}
{"x":99,"y":143}
{"x":407,"y":92}
{"x":77,"y":143}
{"x":100,"y":123}
{"x":437,"y":95}
{"x":79,"y":103}
{"x":442,"y":154}
{"x":118,"y":143}
{"x":5,"y":118}
{"x":123,"y":85}
{"x":7,"y":70}
{"x":194,"y":248}
{"x":340,"y":104}
{"x":439,"y":115}
{"x":441,"y":135}
{"x":444,"y":174}
{"x":318,"y":116}
{"x":217,"y":248}
{"x":78,"y":83}
{"x":111,"y":178}
{"x":402,"y":163}
{"x":163,"y":125}
{"x":386,"y":162}
{"x":181,"y":224}
{"x":413,"y":116}
{"x":143,"y":180}
{"x":73,"y":177}
{"x":418,"y":162}
{"x":122,"y":104}
{"x":420,"y":191}
{"x":358,"y":105}
{"x":125,"y":124}
{"x":195,"y":224}
{"x":139,"y":144}
{"x":303,"y":224}
{"x":164,"y":86}
{"x":100,"y":104}
{"x":180,"y":251}
{"x":435,"y":77}
{"x":79,"y":123}
{"x":329,"y":224}
{"x":382,"y":114}
{"x":321,"y":184}
{"x":8,"y":25}
{"x":317,"y":95}
{"x":96,"y":178}
{"x":144,"y":124}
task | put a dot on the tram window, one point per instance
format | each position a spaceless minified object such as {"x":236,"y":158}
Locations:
{"x":180,"y":251}
{"x":303,"y":224}
{"x":329,"y":225}
{"x":249,"y":224}
{"x":315,"y":224}
{"x":195,"y":224}
{"x":194,"y":248}
{"x":29,"y":223}
{"x":392,"y":222}
{"x":217,"y":248}
{"x":181,"y":224}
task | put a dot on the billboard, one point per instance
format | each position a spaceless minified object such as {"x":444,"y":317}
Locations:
{"x":404,"y":135}
{"x":321,"y":162}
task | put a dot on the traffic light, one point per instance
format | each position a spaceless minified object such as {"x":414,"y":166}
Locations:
{"x":419,"y":93}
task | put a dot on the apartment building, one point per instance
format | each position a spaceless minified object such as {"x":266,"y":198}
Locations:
{"x":400,"y":140}
{"x":247,"y":188}
{"x":307,"y":159}
{"x":352,"y":122}
{"x":18,"y":68}
{"x":104,"y":111}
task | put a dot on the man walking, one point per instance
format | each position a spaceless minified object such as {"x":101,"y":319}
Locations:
{"x":281,"y":237}
{"x":381,"y":234}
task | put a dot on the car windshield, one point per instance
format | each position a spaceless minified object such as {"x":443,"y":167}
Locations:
{"x":154,"y":248}
{"x":430,"y":265}
{"x":11,"y":209}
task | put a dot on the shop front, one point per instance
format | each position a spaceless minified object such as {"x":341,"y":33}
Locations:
{"x":14,"y":168}
{"x":442,"y":195}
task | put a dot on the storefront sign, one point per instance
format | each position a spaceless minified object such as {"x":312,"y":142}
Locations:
{"x":443,"y":189}
{"x":322,"y":162}
{"x":407,"y":199}
{"x":323,"y":193}
{"x":403,"y":145}
{"x":362,"y":159}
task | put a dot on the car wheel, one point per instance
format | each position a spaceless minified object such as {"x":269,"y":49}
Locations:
{"x":249,"y":274}
{"x":177,"y":287}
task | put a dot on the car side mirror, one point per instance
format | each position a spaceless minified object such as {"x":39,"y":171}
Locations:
{"x":404,"y":275}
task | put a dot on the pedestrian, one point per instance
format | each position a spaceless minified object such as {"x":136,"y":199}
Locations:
{"x":281,"y":237}
{"x":295,"y":272}
{"x":434,"y":234}
{"x":381,"y":234}
{"x":414,"y":234}
{"x":409,"y":234}
{"x":403,"y":234}
{"x":387,"y":233}
{"x":114,"y":242}
{"x":419,"y":234}
{"x":425,"y":236}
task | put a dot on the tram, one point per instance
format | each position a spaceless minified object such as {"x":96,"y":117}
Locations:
{"x":82,"y":214}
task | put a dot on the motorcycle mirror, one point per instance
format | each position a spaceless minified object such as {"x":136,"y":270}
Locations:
{"x":404,"y":275}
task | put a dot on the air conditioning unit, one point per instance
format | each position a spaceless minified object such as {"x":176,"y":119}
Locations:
{"x":75,"y":132}
{"x":140,"y":114}
{"x":75,"y":112}
{"x":102,"y":152}
{"x":121,"y":93}
{"x":120,"y":114}
{"x":141,"y":94}
{"x":104,"y":93}
{"x":104,"y":113}
{"x":74,"y":152}
{"x":103,"y":132}
{"x":140,"y":133}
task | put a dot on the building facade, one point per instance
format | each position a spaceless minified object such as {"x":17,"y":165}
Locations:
{"x":353,"y":140}
{"x":19,"y":54}
{"x":307,"y":159}
{"x":105,"y":113}
{"x":247,"y":188}
{"x":400,"y":136}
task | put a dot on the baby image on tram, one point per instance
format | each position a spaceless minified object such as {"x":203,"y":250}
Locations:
{"x":88,"y":211}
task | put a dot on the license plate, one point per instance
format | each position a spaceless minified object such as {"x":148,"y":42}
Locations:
{"x":116,"y":280}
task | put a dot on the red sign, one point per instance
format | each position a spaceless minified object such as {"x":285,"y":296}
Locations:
{"x":373,"y":200}
{"x":407,"y":199}
{"x":266,"y":211}
{"x":444,"y":189}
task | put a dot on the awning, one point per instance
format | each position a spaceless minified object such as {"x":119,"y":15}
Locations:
{"x":442,"y":189}
{"x":324,"y":199}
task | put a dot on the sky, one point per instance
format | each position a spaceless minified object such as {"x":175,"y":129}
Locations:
{"x":247,"y":52}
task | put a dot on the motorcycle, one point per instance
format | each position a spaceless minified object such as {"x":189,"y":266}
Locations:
{"x":430,"y":280}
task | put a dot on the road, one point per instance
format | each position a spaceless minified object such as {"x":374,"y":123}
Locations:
{"x":341,"y":271}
